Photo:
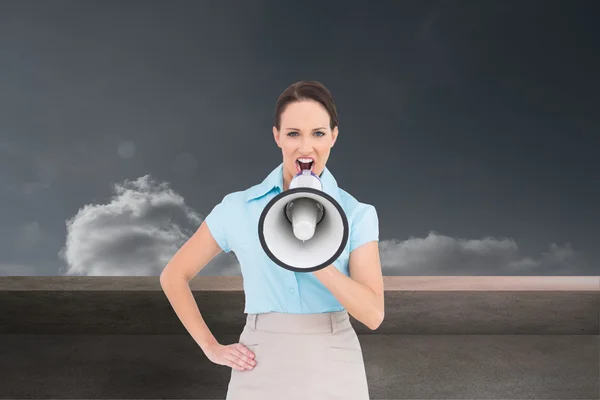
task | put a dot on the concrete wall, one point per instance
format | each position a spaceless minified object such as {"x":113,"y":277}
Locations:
{"x":443,"y":338}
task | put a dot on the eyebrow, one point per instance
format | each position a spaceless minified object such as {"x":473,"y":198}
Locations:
{"x":296,"y":129}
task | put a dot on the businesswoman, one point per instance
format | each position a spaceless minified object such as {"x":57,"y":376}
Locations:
{"x":298,"y":342}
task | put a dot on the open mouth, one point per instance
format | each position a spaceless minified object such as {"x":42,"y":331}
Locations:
{"x":305,"y":163}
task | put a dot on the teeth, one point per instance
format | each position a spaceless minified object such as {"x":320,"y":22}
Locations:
{"x":309,"y":161}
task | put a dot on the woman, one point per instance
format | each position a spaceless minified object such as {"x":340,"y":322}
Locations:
{"x":298,"y":342}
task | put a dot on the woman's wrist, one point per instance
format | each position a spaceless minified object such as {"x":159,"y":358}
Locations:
{"x":208,"y":343}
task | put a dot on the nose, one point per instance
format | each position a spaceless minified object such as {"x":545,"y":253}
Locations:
{"x":306,"y":146}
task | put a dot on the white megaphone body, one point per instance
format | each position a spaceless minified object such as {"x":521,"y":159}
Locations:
{"x":303,"y":229}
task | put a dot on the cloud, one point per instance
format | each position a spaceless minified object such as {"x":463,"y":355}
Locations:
{"x":135,"y":234}
{"x":443,"y":255}
{"x":144,"y":224}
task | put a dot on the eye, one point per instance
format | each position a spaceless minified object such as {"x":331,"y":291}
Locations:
{"x":321,"y":133}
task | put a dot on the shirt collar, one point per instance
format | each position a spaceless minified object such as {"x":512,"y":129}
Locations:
{"x":275,"y":181}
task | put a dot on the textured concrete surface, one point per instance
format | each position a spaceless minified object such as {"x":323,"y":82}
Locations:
{"x":430,"y":313}
{"x":398,"y":367}
{"x":91,"y":343}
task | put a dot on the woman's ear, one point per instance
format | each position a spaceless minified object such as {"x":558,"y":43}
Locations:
{"x":276,"y":136}
{"x":334,"y":135}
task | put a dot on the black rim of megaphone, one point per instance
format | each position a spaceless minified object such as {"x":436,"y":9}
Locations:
{"x":289,"y":192}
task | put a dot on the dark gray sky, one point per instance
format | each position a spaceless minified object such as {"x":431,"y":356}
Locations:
{"x":471,"y":126}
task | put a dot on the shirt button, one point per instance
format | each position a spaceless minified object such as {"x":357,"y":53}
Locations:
{"x":292,"y":290}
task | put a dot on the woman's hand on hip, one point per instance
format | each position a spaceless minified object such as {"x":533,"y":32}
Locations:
{"x":234,"y":355}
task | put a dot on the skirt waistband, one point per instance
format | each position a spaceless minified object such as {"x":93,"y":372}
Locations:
{"x":323,"y":323}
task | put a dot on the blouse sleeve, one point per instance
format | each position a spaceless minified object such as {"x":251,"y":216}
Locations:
{"x":218,"y":223}
{"x":365,"y":227}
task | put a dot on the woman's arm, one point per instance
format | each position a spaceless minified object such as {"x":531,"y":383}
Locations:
{"x":361,"y":294}
{"x":175,"y":281}
{"x":175,"y":278}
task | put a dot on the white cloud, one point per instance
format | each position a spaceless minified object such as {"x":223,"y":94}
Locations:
{"x":145,"y":223}
{"x":443,"y":255}
{"x":135,"y":234}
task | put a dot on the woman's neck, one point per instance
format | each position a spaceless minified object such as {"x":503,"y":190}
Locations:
{"x":286,"y":181}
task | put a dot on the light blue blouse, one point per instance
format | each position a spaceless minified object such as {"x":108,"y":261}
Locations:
{"x":267,"y":286}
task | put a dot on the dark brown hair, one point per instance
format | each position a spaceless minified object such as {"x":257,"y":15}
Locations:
{"x":306,"y":90}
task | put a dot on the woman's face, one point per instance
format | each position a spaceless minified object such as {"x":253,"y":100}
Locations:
{"x":304,"y":133}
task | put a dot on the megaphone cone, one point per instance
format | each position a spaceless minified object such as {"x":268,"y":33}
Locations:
{"x":303,"y":229}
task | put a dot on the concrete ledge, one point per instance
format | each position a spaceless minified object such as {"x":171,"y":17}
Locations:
{"x":443,"y":338}
{"x":137,"y":305}
{"x":235,"y":283}
{"x":398,"y":367}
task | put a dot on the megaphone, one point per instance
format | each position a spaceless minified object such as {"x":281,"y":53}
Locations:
{"x":303,"y":229}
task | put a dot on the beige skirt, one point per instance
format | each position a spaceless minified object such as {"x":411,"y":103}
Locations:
{"x":301,"y":356}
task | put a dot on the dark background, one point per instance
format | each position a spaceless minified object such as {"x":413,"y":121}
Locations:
{"x":471,"y":126}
